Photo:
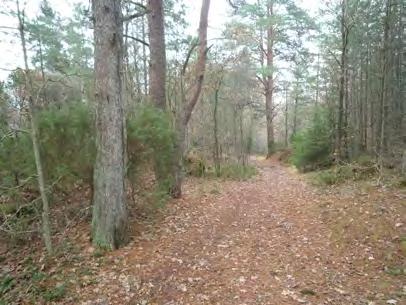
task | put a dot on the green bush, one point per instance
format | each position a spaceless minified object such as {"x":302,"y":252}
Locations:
{"x":16,"y":159}
{"x":68,"y":149}
{"x":150,"y":138}
{"x":325,"y":177}
{"x":67,"y":143}
{"x":312,"y":147}
{"x":67,"y":153}
{"x":333,"y":176}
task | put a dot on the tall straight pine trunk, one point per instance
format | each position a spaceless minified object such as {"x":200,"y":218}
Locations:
{"x":269,"y":87}
{"x":157,"y":76}
{"x":157,"y":65}
{"x":341,"y":148}
{"x":109,"y":224}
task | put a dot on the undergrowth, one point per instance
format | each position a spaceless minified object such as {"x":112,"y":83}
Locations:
{"x":67,"y":147}
{"x":312,"y":146}
{"x":229,"y":171}
{"x":343,"y":173}
{"x":31,"y":284}
{"x":237,"y":172}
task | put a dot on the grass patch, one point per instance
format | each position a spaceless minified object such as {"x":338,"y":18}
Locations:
{"x":396,"y":271}
{"x":237,"y":171}
{"x":197,"y":167}
{"x":55,"y":293}
{"x":7,"y":283}
{"x":403,"y":245}
{"x":342,"y":173}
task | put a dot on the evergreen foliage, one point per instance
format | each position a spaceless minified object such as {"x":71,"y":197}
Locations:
{"x":67,"y":142}
{"x":150,"y":138}
{"x":66,"y":146}
{"x":312,"y":146}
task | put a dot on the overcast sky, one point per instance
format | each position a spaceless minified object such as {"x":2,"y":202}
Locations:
{"x":10,"y":50}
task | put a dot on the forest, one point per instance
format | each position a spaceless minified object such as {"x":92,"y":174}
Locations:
{"x":203,"y":152}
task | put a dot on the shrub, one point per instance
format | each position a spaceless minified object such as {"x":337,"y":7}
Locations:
{"x":311,"y":148}
{"x":342,"y":173}
{"x":150,"y":139}
{"x":365,"y":160}
{"x":285,"y":155}
{"x":325,"y":177}
{"x":67,"y":151}
{"x":195,"y":164}
{"x":67,"y":142}
{"x":16,"y":159}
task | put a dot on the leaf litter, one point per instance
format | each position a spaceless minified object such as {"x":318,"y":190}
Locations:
{"x":273,"y":239}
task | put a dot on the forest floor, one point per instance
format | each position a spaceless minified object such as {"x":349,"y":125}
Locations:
{"x":273,"y":239}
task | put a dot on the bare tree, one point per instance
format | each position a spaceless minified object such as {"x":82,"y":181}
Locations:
{"x":46,"y":227}
{"x":184,"y":115}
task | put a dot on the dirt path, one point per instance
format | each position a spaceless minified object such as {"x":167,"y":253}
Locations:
{"x":262,"y":241}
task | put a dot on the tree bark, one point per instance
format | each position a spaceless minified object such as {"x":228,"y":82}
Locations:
{"x":295,"y":107}
{"x":340,"y":143}
{"x":215,"y":131}
{"x":157,"y":72}
{"x":269,"y":87}
{"x":109,"y":223}
{"x":157,"y":66}
{"x":383,"y":91}
{"x":144,"y":56}
{"x":286,"y":118}
{"x":317,"y":80}
{"x":242,"y":146}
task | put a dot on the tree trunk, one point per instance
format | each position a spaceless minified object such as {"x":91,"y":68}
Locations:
{"x":157,"y":66}
{"x":340,"y":149}
{"x":295,"y":114}
{"x":183,"y":117}
{"x":317,"y":80}
{"x":180,"y":143}
{"x":383,"y":91}
{"x":157,"y":72}
{"x":242,"y":146}
{"x":286,"y":118}
{"x":144,"y":55}
{"x":215,"y":131}
{"x":109,"y":223}
{"x":46,"y":226}
{"x":269,"y":88}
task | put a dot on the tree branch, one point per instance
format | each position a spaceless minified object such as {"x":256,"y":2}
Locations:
{"x":189,"y":54}
{"x":201,"y":61}
{"x":135,"y":15}
{"x":137,"y":39}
